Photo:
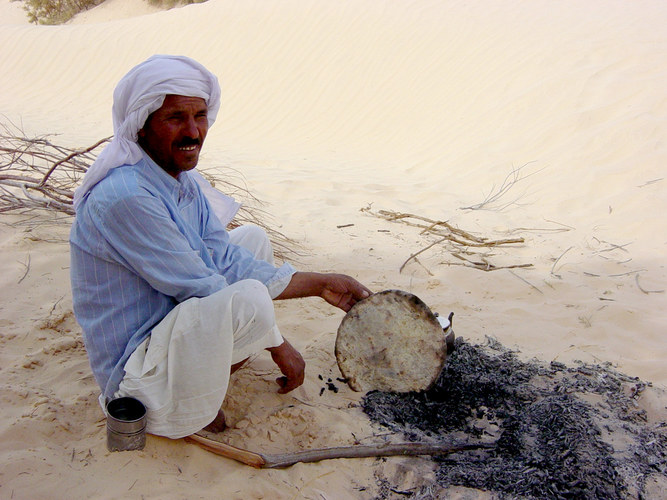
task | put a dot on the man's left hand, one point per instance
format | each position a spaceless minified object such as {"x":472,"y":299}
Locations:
{"x":291,"y":365}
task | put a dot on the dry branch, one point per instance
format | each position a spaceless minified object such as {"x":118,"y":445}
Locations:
{"x":37,"y":174}
{"x":70,"y":157}
{"x":484,"y":265}
{"x":265,"y":460}
{"x":420,"y":251}
{"x":455,"y":240}
{"x":493,"y":199}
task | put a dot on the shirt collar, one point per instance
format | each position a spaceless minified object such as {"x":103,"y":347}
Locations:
{"x":178,"y":187}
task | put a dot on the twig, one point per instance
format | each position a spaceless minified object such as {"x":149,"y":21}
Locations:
{"x":423,"y":266}
{"x":646,"y":291}
{"x":541,"y":229}
{"x":485,"y":265}
{"x":318,"y":404}
{"x":527,"y":282}
{"x":562,"y":229}
{"x":458,"y":239}
{"x":419,"y":252}
{"x":27,"y":270}
{"x":54,"y":305}
{"x":650,"y":182}
{"x":613,"y":247}
{"x":394,"y":216}
{"x":511,"y":180}
{"x":72,"y":155}
{"x":489,"y":268}
{"x":461,"y":235}
{"x":560,"y":224}
{"x":557,"y":260}
{"x":628,"y":273}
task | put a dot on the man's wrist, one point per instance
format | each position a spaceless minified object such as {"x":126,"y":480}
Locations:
{"x":304,"y":284}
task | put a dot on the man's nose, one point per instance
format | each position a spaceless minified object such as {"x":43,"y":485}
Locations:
{"x":190,"y":128}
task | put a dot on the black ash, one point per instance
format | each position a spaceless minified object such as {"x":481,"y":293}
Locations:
{"x":560,"y":432}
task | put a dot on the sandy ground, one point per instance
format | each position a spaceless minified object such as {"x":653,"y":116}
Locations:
{"x":328,"y":108}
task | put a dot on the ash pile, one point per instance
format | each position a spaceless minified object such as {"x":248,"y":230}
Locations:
{"x":560,"y":431}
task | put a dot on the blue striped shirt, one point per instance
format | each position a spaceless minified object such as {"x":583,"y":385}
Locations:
{"x":141,"y":243}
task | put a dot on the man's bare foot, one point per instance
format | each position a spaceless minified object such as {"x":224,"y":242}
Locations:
{"x":218,"y":424}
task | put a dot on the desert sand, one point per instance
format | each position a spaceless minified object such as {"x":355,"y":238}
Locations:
{"x":421,"y":107}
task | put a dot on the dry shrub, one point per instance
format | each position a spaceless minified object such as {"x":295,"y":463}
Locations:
{"x":36,"y":173}
{"x":56,"y":11}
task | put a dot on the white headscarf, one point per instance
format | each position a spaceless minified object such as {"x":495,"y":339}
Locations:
{"x":138,"y":94}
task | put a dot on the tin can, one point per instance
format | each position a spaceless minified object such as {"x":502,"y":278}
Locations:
{"x":126,"y":424}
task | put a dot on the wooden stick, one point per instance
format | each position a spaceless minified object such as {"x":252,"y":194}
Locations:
{"x":420,"y":251}
{"x":474,"y":240}
{"x":229,"y":451}
{"x":271,"y":461}
{"x":394,"y":216}
{"x":488,"y":268}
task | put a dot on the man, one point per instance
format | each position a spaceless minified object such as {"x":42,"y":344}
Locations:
{"x":170,"y":303}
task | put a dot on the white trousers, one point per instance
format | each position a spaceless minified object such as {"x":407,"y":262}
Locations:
{"x":181,"y":372}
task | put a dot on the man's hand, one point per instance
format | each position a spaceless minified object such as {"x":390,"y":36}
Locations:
{"x":342,"y":291}
{"x":337,"y":289}
{"x":291,"y":365}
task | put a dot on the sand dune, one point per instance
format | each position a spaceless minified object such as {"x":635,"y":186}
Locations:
{"x":329,"y":107}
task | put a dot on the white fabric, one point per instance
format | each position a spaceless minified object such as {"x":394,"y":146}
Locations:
{"x":255,"y":239}
{"x":224,"y":207}
{"x":138,"y":94}
{"x":181,"y":372}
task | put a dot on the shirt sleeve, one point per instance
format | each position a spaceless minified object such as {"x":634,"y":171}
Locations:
{"x":236,"y":262}
{"x":147,"y":240}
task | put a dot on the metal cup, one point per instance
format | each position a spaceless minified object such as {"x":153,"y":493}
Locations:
{"x":126,"y":424}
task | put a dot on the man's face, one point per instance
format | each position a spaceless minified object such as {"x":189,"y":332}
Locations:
{"x":174,"y":134}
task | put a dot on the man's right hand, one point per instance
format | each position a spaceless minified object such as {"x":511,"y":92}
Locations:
{"x":291,"y":365}
{"x":337,"y":289}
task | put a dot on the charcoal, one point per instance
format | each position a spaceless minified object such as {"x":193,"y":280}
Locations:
{"x":550,"y":441}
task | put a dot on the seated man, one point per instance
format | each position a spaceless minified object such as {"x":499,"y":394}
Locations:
{"x":170,"y":303}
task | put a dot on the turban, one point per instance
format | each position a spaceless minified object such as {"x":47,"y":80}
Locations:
{"x":138,"y":94}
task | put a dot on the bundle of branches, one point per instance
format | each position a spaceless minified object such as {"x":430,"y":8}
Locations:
{"x":38,"y":174}
{"x":460,"y":244}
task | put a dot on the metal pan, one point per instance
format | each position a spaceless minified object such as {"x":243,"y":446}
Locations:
{"x":391,"y":342}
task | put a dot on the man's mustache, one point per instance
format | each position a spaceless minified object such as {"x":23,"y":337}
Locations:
{"x":188,"y":141}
